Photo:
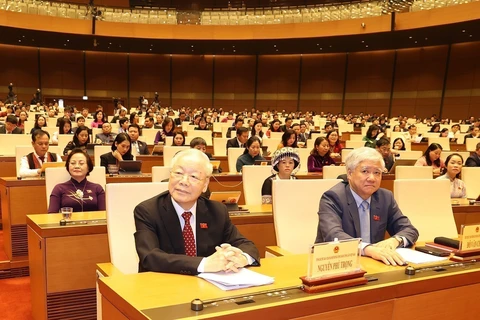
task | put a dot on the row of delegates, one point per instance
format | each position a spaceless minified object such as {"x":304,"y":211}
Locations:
{"x":78,"y":192}
{"x":81,"y":138}
{"x":319,"y":156}
{"x":121,"y":150}
{"x":452,"y":171}
{"x":251,"y":153}
{"x":475,"y":133}
{"x":168,"y":130}
{"x":431,"y":158}
{"x":31,"y":164}
{"x":285,"y":164}
{"x":359,"y":208}
{"x":167,"y":236}
{"x":10,"y":126}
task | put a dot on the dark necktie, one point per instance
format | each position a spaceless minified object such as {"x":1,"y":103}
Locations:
{"x":42,"y":158}
{"x":188,"y":237}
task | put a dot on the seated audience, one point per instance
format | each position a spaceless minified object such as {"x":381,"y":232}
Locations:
{"x":200,"y":144}
{"x":148,"y":122}
{"x":106,"y":137}
{"x":123,"y":124}
{"x":399,"y":144}
{"x":285,"y":163}
{"x":346,"y":211}
{"x":452,"y":172}
{"x":202,"y":125}
{"x":166,"y":131}
{"x":178,"y":139}
{"x":80,"y":123}
{"x":138,"y":147}
{"x":10,"y":126}
{"x":21,"y":120}
{"x":289,"y":139}
{"x":435,"y":128}
{"x":383,"y":147}
{"x":373,"y":134}
{"x":31,"y":164}
{"x":237,"y":125}
{"x":99,"y":119}
{"x":319,"y":156}
{"x":274,"y":127}
{"x":257,"y":130}
{"x":475,"y":133}
{"x":161,"y":221}
{"x":78,"y":192}
{"x":444,"y":133}
{"x":431,"y":158}
{"x":120,"y":151}
{"x":334,"y":143}
{"x":240,"y":140}
{"x":64,"y":127}
{"x":81,"y":138}
{"x":474,"y":159}
{"x":40,"y":123}
{"x":251,"y":153}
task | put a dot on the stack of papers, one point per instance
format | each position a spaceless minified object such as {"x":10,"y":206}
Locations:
{"x":418,"y":257}
{"x":230,"y":281}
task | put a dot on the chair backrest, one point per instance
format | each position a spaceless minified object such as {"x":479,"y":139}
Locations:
{"x":149,"y":135}
{"x":345,"y":153}
{"x":9,"y":141}
{"x":220,"y":146}
{"x":303,"y":153}
{"x":276,"y":135}
{"x":98,"y":151}
{"x":471,"y":178}
{"x":21,"y":151}
{"x":233,"y":154}
{"x":332,"y":172}
{"x":253,"y":178}
{"x":409,"y":154}
{"x":354,"y":144}
{"x":271,"y":144}
{"x":121,"y":200}
{"x":54,"y":176}
{"x":471,"y":143}
{"x":205,"y":134}
{"x":427,"y":204}
{"x":63,"y":140}
{"x":169,"y":152}
{"x":356,"y":137}
{"x":160,"y":173}
{"x":413,"y":172}
{"x":464,"y":155}
{"x":295,"y":211}
{"x":443,"y":141}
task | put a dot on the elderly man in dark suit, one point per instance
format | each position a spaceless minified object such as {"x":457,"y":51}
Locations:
{"x":474,"y":159}
{"x":361,"y":209}
{"x":11,"y":126}
{"x":179,"y":231}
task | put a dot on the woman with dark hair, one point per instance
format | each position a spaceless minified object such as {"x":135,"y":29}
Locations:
{"x":399,"y":144}
{"x":178,"y":139}
{"x":202,"y":124}
{"x":431,"y":158}
{"x":166,"y":131}
{"x":251,"y":153}
{"x":435,"y":128}
{"x":274,"y":127}
{"x":77,"y":193}
{"x":444,"y":133}
{"x":64,"y":127}
{"x":396,"y":128}
{"x":99,"y":119}
{"x":120,"y":151}
{"x":319,"y":156}
{"x":334,"y":143}
{"x":257,"y":130}
{"x":134,"y":118}
{"x":452,"y":171}
{"x":373,"y":134}
{"x":40,"y":122}
{"x":81,"y":138}
{"x":289,"y":139}
{"x":21,"y":119}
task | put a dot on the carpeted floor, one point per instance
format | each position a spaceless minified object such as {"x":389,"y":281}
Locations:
{"x":15,"y":302}
{"x":3,"y":256}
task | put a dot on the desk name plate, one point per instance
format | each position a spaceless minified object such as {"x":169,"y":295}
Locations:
{"x":470,"y":238}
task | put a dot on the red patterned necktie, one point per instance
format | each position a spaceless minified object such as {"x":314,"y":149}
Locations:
{"x":188,"y":237}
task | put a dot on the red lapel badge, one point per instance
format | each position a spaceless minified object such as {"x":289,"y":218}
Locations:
{"x":203,"y":225}
{"x":376,"y":218}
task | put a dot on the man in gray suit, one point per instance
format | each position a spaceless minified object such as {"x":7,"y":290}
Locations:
{"x":360,"y":209}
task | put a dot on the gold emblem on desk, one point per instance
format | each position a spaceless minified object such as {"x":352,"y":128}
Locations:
{"x":333,"y":265}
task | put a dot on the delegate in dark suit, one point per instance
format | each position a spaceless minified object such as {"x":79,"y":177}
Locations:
{"x":141,"y":147}
{"x":339,"y":218}
{"x":473,"y":160}
{"x":159,"y":241}
{"x":233,"y":143}
{"x":17,"y":130}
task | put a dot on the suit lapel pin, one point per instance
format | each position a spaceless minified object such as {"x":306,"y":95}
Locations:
{"x":376,"y":218}
{"x":203,"y":225}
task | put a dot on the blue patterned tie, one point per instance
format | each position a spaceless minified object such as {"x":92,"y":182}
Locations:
{"x":364,"y":213}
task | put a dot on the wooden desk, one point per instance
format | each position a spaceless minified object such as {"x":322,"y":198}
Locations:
{"x":451,"y":294}
{"x":422,"y":146}
{"x":62,"y":264}
{"x":466,"y":214}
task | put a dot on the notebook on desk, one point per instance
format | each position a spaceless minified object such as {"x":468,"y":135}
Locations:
{"x":130,"y":167}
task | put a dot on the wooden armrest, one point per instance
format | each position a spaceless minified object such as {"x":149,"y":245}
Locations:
{"x":277,"y":251}
{"x":108,"y":269}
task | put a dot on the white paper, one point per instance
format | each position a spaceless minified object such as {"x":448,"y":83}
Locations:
{"x":418,"y":257}
{"x":236,"y":280}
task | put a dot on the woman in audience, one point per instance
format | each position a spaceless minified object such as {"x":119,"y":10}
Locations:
{"x":444,"y":133}
{"x":274,"y":127}
{"x":120,"y":151}
{"x":99,"y":119}
{"x":334,"y":144}
{"x":202,"y":124}
{"x":251,"y":153}
{"x":285,"y":163}
{"x":77,"y":193}
{"x":319,"y":156}
{"x":178,"y":139}
{"x":40,"y":122}
{"x":431,"y":158}
{"x":452,"y":171}
{"x":166,"y":131}
{"x":21,"y":120}
{"x":134,"y":118}
{"x":81,"y":138}
{"x":396,"y":128}
{"x":64,"y":127}
{"x":373,"y":134}
{"x":435,"y":128}
{"x":257,"y":130}
{"x":399,"y":144}
{"x":289,"y":139}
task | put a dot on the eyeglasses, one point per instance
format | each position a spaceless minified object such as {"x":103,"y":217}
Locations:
{"x":191,"y":178}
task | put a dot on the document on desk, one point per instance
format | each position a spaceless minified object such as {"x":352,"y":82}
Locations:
{"x":418,"y":257}
{"x":236,"y":280}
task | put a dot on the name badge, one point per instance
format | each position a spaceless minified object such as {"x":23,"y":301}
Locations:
{"x":470,"y":238}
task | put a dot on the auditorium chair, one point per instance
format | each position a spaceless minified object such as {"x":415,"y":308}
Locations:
{"x":471,"y":143}
{"x":295,"y":213}
{"x":443,"y":141}
{"x":303,"y":154}
{"x":220,"y":147}
{"x":413,"y":155}
{"x":170,"y":151}
{"x":413,"y":172}
{"x":253,"y":178}
{"x":8,"y":142}
{"x":160,"y":173}
{"x":332,"y":172}
{"x":205,"y":134}
{"x":428,"y":206}
{"x":148,"y":135}
{"x":471,"y":177}
{"x":98,"y":151}
{"x":464,"y":155}
{"x":233,"y":154}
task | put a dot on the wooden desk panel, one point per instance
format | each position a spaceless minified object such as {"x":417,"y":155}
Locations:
{"x":466,"y":214}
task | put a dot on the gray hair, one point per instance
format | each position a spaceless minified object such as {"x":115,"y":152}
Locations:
{"x":197,"y":155}
{"x":355,"y":157}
